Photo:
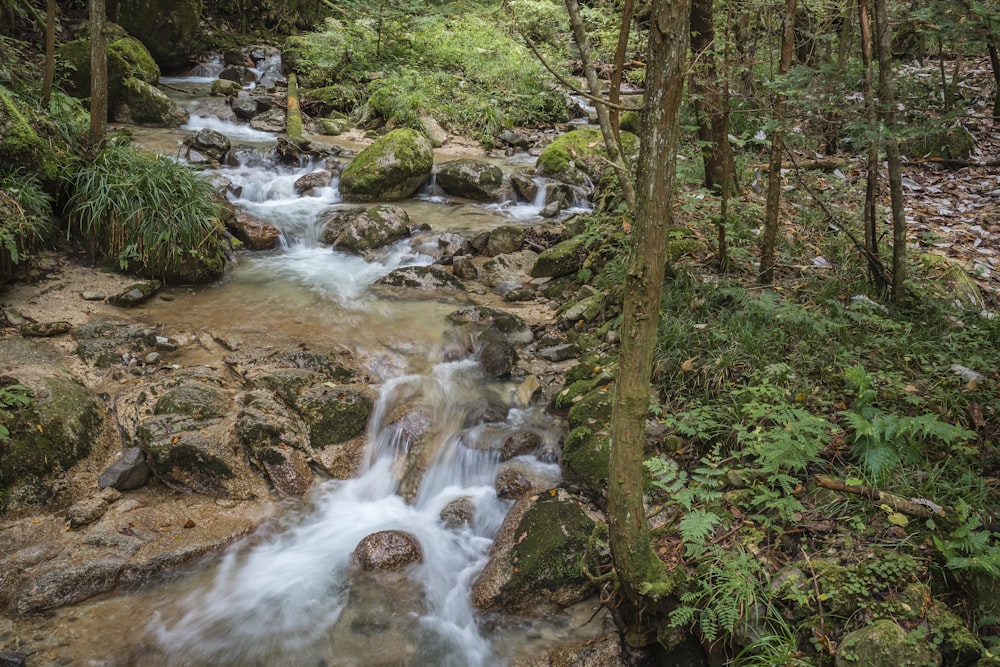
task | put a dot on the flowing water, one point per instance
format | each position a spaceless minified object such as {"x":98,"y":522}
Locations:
{"x":292,"y":594}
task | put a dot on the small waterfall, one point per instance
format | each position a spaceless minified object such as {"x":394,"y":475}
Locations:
{"x":296,"y":597}
{"x":235,"y":131}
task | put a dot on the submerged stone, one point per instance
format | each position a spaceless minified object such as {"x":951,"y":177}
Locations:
{"x":388,"y":550}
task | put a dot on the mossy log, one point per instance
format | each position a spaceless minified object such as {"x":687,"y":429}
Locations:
{"x":293,"y":114}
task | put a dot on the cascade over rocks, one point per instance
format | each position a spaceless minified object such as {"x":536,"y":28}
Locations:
{"x":393,"y":167}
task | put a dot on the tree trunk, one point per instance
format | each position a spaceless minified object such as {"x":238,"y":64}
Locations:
{"x":875,"y":269}
{"x":98,"y":73}
{"x":603,"y":118}
{"x":887,"y":101}
{"x":704,"y":91}
{"x":614,"y":93}
{"x":643,"y":577}
{"x":50,"y":50}
{"x":770,"y":236}
{"x":995,"y":63}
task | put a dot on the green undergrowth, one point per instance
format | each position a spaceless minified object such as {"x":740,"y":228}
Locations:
{"x":457,"y":64}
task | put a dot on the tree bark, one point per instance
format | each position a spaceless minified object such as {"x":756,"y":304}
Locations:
{"x":614,"y":93}
{"x":777,"y":147}
{"x":704,"y":90}
{"x":644,"y":579}
{"x":995,"y":64}
{"x":50,"y":51}
{"x":887,"y":101}
{"x":603,"y":119}
{"x":98,"y":72}
{"x":875,"y":269}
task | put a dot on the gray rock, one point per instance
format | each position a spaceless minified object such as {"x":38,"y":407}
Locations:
{"x":498,"y":359}
{"x":86,"y":511}
{"x":211,"y":143}
{"x":90,"y":295}
{"x":514,"y":139}
{"x":504,"y":240}
{"x":238,"y":73}
{"x":559,"y":352}
{"x":245,"y":108}
{"x":458,"y":513}
{"x":316,"y":179}
{"x":519,"y":444}
{"x":423,"y":278}
{"x":358,"y":230}
{"x":586,"y":309}
{"x":388,"y":550}
{"x":471,"y":179}
{"x":12,"y":659}
{"x":509,"y":268}
{"x":464,"y":268}
{"x":524,"y":185}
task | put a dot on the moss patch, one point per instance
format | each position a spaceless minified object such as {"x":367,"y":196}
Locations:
{"x":577,"y":155}
{"x":585,"y":458}
{"x":391,"y":168}
{"x":334,"y":414}
{"x":20,"y":145}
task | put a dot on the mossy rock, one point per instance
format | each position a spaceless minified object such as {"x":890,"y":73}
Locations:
{"x":579,"y":156}
{"x":422,"y":278}
{"x":585,"y":459}
{"x":471,"y":179}
{"x":370,"y":229}
{"x":194,"y":399}
{"x":334,"y":414}
{"x":392,"y":168}
{"x":127,"y":58}
{"x":885,"y":644}
{"x":495,"y":324}
{"x":47,"y":436}
{"x":336,"y":98}
{"x":629,"y":122}
{"x":170,"y":29}
{"x":572,"y":393}
{"x":20,"y":144}
{"x":562,"y":259}
{"x":142,"y":104}
{"x":188,"y":453}
{"x":951,"y":143}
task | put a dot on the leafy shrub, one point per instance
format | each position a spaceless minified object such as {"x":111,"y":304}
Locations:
{"x":25,"y":218}
{"x":142,"y":211}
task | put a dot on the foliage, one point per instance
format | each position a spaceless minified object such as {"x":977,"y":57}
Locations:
{"x":26,"y":222}
{"x":12,"y":397}
{"x":143,"y":212}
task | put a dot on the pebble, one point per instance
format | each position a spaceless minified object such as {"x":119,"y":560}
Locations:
{"x":152,"y":358}
{"x":90,"y":295}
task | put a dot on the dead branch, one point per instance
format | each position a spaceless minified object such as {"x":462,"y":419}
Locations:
{"x":913,"y":506}
{"x":822,"y":164}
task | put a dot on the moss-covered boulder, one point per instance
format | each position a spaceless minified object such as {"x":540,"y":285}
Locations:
{"x":127,"y":59}
{"x":20,"y":145}
{"x":275,"y":440}
{"x":585,"y":459}
{"x":535,"y":560}
{"x":562,"y":259}
{"x":885,"y":644}
{"x":334,"y":413}
{"x":951,"y":143}
{"x":52,"y":420}
{"x":170,"y":29}
{"x":472,"y":179}
{"x":392,"y":168}
{"x":579,"y":157}
{"x":494,"y":324}
{"x":421,"y":278}
{"x":358,"y":231}
{"x":142,"y":104}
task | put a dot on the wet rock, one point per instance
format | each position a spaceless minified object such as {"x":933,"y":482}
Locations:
{"x":607,"y":651}
{"x":226,"y":87}
{"x":44,"y":329}
{"x":269,"y":121}
{"x":458,"y":513}
{"x":358,"y":231}
{"x":495,"y":323}
{"x":128,"y":472}
{"x":464,"y":268}
{"x":498,"y":359}
{"x":471,"y":179}
{"x":86,"y":511}
{"x":525,"y":187}
{"x":508,"y":269}
{"x":535,"y":559}
{"x":253,"y":233}
{"x":334,"y":414}
{"x":288,"y":469}
{"x":516,"y":479}
{"x":449,"y":244}
{"x":519,"y":444}
{"x":558,"y":197}
{"x":245,"y":108}
{"x":211,"y":143}
{"x":393,"y":167}
{"x":514,"y":139}
{"x":423,"y":278}
{"x":317,"y":179}
{"x":388,"y":550}
{"x":12,"y":659}
{"x":102,"y":342}
{"x":504,"y":240}
{"x":135,"y":294}
{"x":240,"y":74}
{"x":275,"y":438}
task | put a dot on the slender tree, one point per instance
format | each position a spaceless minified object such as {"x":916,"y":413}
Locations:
{"x":875,"y":268}
{"x":98,"y":72}
{"x":603,"y":117}
{"x":643,"y":577}
{"x":995,"y":65}
{"x":614,"y":92}
{"x":50,"y":50}
{"x":770,"y":235}
{"x":887,"y":102}
{"x":704,"y":91}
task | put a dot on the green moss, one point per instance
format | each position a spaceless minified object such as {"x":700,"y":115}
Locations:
{"x":193,"y":459}
{"x":20,"y":145}
{"x":566,"y":398}
{"x":585,"y":458}
{"x":127,"y":58}
{"x":629,"y":122}
{"x":393,"y":167}
{"x":593,"y":410}
{"x":555,"y":538}
{"x":147,"y":105}
{"x":580,"y":153}
{"x":333,"y":414}
{"x":885,"y":644}
{"x":562,"y":259}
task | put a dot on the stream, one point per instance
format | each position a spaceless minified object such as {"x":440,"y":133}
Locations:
{"x":292,"y":593}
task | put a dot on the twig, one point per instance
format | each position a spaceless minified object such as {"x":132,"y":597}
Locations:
{"x":819,"y":599}
{"x":913,"y":506}
{"x":174,"y":88}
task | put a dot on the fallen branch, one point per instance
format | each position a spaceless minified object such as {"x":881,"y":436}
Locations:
{"x":913,"y":506}
{"x":823,"y":164}
{"x":293,"y":115}
{"x":949,"y":162}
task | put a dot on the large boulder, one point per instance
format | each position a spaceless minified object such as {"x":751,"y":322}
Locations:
{"x":142,"y":104}
{"x":535,"y":560}
{"x":562,"y":259}
{"x":127,"y":59}
{"x":170,"y":29}
{"x":392,"y":168}
{"x":421,"y":278}
{"x":472,"y":179}
{"x":360,"y":230}
{"x":20,"y":144}
{"x":885,"y":644}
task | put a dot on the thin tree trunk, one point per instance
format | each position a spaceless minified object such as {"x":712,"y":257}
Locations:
{"x":887,"y":100}
{"x":644,"y":579}
{"x":995,"y":64}
{"x":614,"y":93}
{"x":728,"y":170}
{"x":603,"y":119}
{"x":777,"y":147}
{"x":50,"y":50}
{"x":98,"y":73}
{"x":704,"y":90}
{"x":875,"y":269}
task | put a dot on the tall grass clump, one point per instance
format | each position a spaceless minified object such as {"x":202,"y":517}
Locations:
{"x":146,"y":214}
{"x":25,"y":219}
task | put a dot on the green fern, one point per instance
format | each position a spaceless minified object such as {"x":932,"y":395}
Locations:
{"x":695,"y":528}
